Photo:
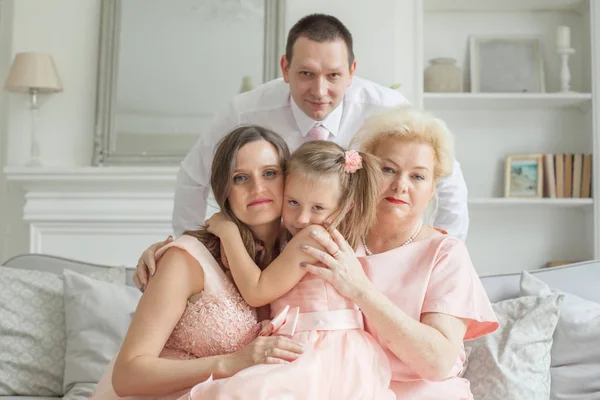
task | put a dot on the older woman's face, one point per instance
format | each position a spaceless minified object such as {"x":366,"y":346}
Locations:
{"x":256,"y":194}
{"x":408,"y":177}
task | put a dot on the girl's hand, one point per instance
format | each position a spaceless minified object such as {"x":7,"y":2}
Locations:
{"x":264,"y":350}
{"x":339,"y":265}
{"x":219,"y":225}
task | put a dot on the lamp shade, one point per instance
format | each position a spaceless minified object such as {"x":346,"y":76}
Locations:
{"x":33,"y":71}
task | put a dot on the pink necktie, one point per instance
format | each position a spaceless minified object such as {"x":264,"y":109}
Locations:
{"x":319,"y":132}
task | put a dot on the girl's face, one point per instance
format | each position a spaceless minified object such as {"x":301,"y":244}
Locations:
{"x":408,"y":177}
{"x":309,"y":200}
{"x":256,"y":194}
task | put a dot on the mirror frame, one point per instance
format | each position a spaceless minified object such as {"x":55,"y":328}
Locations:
{"x":104,"y":131}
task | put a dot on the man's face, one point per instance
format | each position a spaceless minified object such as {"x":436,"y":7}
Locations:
{"x":318,"y":75}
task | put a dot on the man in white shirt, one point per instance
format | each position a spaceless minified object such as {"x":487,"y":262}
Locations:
{"x":318,"y":95}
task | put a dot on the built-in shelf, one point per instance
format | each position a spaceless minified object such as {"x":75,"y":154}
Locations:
{"x":502,"y":201}
{"x":470,"y":101}
{"x":505,"y":5}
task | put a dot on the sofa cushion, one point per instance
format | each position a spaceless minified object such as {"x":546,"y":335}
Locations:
{"x":97,"y":315}
{"x":32,"y":330}
{"x":575,"y":367}
{"x":28,"y":398}
{"x":513,"y":362}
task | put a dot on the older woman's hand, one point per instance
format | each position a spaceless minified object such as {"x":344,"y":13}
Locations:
{"x":340,"y":267}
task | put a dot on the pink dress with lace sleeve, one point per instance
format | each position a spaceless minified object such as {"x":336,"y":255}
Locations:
{"x":216,"y":321}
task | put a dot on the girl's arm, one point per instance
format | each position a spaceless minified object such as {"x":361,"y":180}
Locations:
{"x":138,"y":369}
{"x":262,"y":287}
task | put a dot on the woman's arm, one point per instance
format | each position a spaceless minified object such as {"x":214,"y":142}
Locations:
{"x":138,"y":369}
{"x":262,"y":287}
{"x":429,"y":347}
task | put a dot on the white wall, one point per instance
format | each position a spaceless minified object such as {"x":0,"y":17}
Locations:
{"x":69,"y":30}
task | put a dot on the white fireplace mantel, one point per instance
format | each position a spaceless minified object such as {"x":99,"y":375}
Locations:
{"x":105,"y":215}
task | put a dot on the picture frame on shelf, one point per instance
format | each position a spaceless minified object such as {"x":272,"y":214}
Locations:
{"x":524,"y":175}
{"x":506,"y":64}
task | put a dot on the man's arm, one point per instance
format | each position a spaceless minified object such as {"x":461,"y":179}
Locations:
{"x":193,"y":179}
{"x":453,"y":212}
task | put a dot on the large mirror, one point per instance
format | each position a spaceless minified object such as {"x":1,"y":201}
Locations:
{"x":167,"y":66}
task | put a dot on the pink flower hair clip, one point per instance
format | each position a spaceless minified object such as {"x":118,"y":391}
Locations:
{"x":352,"y":161}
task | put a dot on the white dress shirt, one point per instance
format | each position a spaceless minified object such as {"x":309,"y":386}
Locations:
{"x":271,"y":106}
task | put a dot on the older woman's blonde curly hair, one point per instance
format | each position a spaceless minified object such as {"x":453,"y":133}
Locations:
{"x":409,"y":124}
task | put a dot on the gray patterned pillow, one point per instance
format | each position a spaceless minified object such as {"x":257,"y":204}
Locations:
{"x":32,"y":330}
{"x":514,"y":361}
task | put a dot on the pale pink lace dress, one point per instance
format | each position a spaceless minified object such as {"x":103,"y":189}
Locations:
{"x":218,"y":322}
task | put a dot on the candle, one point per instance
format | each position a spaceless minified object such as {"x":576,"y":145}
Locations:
{"x":563,"y":37}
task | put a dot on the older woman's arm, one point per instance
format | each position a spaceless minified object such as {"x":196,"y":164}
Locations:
{"x":429,"y":347}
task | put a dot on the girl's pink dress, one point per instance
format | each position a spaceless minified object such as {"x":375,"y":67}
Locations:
{"x":434,"y":275}
{"x":340,"y":359}
{"x":218,"y":322}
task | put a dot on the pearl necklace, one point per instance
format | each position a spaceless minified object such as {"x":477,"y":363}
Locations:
{"x":408,"y":241}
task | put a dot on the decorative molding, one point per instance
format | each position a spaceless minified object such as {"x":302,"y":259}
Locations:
{"x":97,"y":214}
{"x":80,"y":179}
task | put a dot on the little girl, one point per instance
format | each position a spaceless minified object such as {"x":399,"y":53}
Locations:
{"x":324,"y":184}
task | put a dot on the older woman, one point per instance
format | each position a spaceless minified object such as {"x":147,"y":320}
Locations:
{"x":416,"y":286}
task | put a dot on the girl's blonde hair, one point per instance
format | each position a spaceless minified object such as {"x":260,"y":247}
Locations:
{"x":356,"y":213}
{"x":409,"y":124}
{"x":221,"y":180}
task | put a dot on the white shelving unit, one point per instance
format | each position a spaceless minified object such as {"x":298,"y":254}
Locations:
{"x":514,"y":234}
{"x":499,"y":201}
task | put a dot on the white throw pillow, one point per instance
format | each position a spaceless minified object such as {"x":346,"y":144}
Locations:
{"x":32,"y":330}
{"x":575,"y":367}
{"x":98,"y":315}
{"x":513,"y":362}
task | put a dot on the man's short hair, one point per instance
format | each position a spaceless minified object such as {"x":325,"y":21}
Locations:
{"x":319,"y":28}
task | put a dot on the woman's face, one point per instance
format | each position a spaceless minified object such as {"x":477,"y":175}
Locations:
{"x":408,"y":177}
{"x":257,"y":184}
{"x":309,"y":200}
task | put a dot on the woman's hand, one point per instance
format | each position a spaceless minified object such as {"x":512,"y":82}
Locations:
{"x":219,"y":225}
{"x":339,"y":265}
{"x":264,"y":350}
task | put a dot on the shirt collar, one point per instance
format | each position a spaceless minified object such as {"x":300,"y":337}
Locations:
{"x":305,"y":123}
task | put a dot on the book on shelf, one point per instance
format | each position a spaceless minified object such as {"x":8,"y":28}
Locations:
{"x":586,"y":180}
{"x":551,"y":264}
{"x":567,"y":175}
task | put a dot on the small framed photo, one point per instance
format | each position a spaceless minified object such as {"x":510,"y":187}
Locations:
{"x":506,"y":64}
{"x":524,"y":175}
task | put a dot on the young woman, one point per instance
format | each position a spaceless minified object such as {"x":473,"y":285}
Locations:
{"x":191,"y":323}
